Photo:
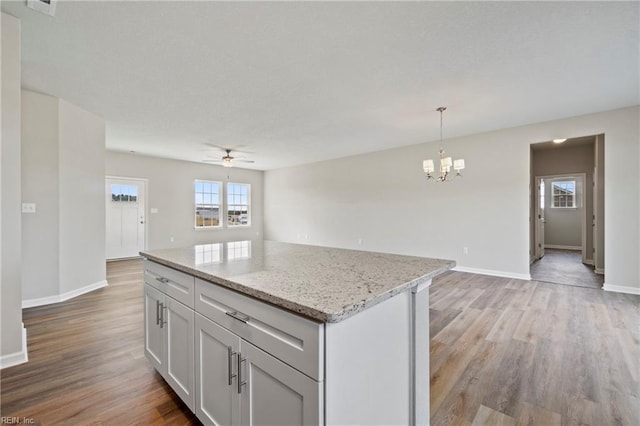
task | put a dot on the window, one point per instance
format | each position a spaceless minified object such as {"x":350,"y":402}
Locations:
{"x":124,"y":193}
{"x":563,"y":194}
{"x":238,"y":212}
{"x":207,"y":197}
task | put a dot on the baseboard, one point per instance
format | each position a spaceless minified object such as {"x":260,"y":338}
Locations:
{"x":31,"y":303}
{"x":589,"y":262}
{"x":16,"y":358}
{"x":560,"y":247}
{"x":526,"y":277}
{"x":621,"y":289}
{"x":599,"y":271}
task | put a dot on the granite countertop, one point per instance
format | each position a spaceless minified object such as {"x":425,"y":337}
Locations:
{"x":322,"y":283}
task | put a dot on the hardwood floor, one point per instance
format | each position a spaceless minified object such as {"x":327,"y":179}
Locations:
{"x":502,"y":352}
{"x":524,"y":352}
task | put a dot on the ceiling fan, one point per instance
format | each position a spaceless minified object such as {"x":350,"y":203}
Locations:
{"x":228,"y":160}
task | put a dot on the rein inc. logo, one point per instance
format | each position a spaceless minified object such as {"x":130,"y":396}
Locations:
{"x":11,"y":420}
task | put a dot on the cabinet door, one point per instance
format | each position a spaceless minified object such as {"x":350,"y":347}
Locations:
{"x":154,"y":347}
{"x":275,"y":393}
{"x":217,"y":399}
{"x":180,"y":373}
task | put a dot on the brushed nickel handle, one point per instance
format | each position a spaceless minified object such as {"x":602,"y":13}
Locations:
{"x":239,"y":317}
{"x":240,"y":381}
{"x":230,"y":354}
{"x":162,"y":321}
{"x":163,"y":280}
{"x":157,"y":312}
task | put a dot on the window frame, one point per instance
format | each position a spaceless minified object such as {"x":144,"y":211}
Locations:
{"x":227,"y":204}
{"x":573,"y":196}
{"x":220,"y":204}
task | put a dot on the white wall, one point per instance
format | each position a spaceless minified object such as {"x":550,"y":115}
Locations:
{"x":384,"y":199}
{"x":82,"y":200}
{"x":12,"y":343}
{"x":170,"y":189}
{"x":63,"y":171}
{"x":40,"y":234}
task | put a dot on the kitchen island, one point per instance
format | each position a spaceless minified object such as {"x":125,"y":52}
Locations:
{"x":262,"y":332}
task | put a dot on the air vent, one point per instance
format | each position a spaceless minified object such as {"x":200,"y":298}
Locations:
{"x":48,"y":7}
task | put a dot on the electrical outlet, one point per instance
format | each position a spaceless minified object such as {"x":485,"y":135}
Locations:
{"x":28,"y":207}
{"x":360,"y":241}
{"x":171,"y":239}
{"x":465,"y":250}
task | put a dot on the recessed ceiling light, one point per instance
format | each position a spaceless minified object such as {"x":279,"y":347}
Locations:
{"x":559,"y":140}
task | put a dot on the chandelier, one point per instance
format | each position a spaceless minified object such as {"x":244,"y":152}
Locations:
{"x":445,"y":162}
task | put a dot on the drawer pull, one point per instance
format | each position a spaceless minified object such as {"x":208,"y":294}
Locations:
{"x":157,"y":312}
{"x":239,"y":317}
{"x":163,"y":280}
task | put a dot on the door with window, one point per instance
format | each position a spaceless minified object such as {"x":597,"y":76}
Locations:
{"x":125,"y":216}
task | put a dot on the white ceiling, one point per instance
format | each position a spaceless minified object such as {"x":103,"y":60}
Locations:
{"x":300,"y":82}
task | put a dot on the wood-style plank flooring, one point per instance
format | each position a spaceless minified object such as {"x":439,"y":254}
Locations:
{"x":502,"y":352}
{"x":512,"y":352}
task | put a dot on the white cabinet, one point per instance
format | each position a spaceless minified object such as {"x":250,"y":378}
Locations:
{"x":169,"y":329}
{"x":275,"y":393}
{"x":217,"y":401}
{"x":239,"y":384}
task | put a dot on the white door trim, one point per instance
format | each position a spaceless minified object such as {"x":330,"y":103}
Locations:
{"x":145,"y":183}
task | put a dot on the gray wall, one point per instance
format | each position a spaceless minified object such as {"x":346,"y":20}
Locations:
{"x":11,"y":246}
{"x":170,"y":190}
{"x":40,"y":233}
{"x":63,"y":171}
{"x":82,"y":202}
{"x":383,"y":199}
{"x":563,"y":226}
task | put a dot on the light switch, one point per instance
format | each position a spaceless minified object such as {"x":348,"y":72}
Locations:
{"x":28,"y":207}
{"x":154,"y":210}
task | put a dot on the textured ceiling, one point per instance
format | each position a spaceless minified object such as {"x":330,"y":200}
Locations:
{"x":293,"y":83}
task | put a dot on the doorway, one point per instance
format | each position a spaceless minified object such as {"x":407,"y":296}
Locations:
{"x":125,"y":217}
{"x":566,"y":210}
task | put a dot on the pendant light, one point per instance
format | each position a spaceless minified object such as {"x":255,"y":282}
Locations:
{"x":445,"y":162}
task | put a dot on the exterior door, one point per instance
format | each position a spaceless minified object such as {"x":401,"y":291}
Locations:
{"x":217,"y":399}
{"x":275,"y":393}
{"x":125,"y":216}
{"x":154,"y":347}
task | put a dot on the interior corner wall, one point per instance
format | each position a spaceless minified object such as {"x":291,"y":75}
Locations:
{"x":11,"y":330}
{"x":383,"y":200}
{"x":63,"y":171}
{"x":170,"y":190}
{"x":40,"y":233}
{"x":81,"y":156}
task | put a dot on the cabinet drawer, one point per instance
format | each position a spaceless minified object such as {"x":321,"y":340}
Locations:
{"x":289,"y":337}
{"x":175,"y":284}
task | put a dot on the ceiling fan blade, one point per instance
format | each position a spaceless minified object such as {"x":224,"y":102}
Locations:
{"x":243,"y":161}
{"x":212,"y":161}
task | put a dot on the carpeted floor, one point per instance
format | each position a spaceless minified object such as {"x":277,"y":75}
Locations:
{"x":565,"y":267}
